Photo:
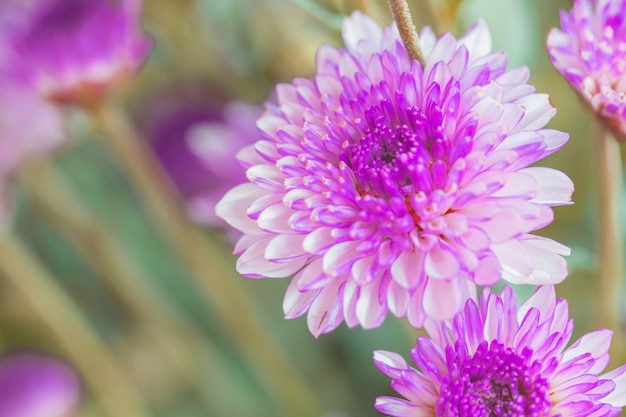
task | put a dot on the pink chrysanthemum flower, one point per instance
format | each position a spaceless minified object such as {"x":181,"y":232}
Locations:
{"x":496,"y":359}
{"x":387,"y":187}
{"x":74,"y":50}
{"x":33,"y":385}
{"x":196,"y":143}
{"x":590,"y":52}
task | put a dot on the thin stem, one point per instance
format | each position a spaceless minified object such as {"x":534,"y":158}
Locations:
{"x":205,"y":261}
{"x":610,"y":245}
{"x":95,"y":363}
{"x":408,"y":32}
{"x":121,"y":274}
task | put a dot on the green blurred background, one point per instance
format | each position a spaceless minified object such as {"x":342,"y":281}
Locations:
{"x":239,"y":49}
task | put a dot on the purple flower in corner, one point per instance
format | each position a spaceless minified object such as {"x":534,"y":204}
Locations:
{"x":495,"y":359}
{"x":74,"y":50}
{"x":590,"y":52}
{"x":196,"y":144}
{"x":388,"y":187}
{"x":33,"y":385}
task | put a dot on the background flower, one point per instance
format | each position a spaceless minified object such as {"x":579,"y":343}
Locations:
{"x":196,"y":143}
{"x":387,"y":187}
{"x":498,"y":359}
{"x":590,"y":51}
{"x":33,"y":385}
{"x":73,"y":50}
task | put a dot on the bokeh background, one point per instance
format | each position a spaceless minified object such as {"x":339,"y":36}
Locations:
{"x":175,"y":352}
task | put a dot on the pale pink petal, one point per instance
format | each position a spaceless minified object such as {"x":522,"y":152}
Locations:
{"x":252,"y":263}
{"x":405,"y":270}
{"x":555,"y":188}
{"x":440,"y":263}
{"x":325,"y":314}
{"x":296,"y":303}
{"x":442,"y":298}
{"x":232,"y":207}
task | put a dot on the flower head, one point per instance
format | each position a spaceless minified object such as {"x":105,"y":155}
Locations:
{"x":32,"y":385}
{"x":385,"y":186}
{"x":495,"y":359}
{"x":74,"y":50}
{"x":590,"y":52}
{"x":196,"y":143}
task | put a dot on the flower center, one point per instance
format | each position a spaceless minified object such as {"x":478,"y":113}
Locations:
{"x":494,"y":382}
{"x":396,"y":157}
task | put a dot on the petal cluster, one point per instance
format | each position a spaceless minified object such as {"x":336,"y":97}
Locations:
{"x":385,"y":186}
{"x":32,"y":385}
{"x":196,"y":143}
{"x":590,"y":51}
{"x":497,"y":359}
{"x":73,"y":50}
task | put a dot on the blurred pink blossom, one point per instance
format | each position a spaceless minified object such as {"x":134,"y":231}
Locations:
{"x":589,"y":50}
{"x":196,"y":143}
{"x":33,"y":385}
{"x":73,"y":50}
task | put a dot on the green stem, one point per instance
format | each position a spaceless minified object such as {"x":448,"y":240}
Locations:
{"x":170,"y":330}
{"x":610,"y":244}
{"x":205,"y":262}
{"x":96,"y":364}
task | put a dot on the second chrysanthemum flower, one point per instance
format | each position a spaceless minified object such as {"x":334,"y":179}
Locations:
{"x":495,"y":359}
{"x":385,"y":186}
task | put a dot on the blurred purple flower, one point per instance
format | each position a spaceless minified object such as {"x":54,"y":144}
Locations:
{"x":196,"y":144}
{"x":73,"y":50}
{"x":590,"y":52}
{"x":496,"y":359}
{"x":33,"y":385}
{"x":387,"y":187}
